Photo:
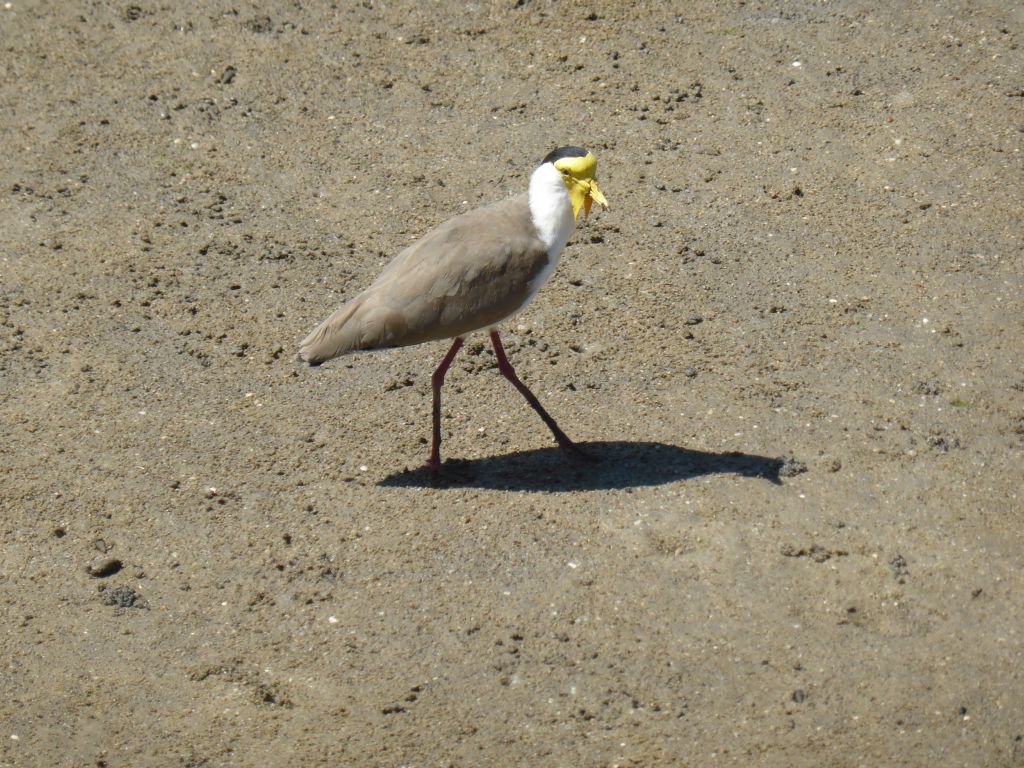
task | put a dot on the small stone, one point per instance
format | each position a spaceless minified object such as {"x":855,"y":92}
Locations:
{"x":104,"y":568}
{"x":122,"y":597}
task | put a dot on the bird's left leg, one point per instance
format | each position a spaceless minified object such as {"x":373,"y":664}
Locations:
{"x":509,"y":373}
{"x":436,"y":381}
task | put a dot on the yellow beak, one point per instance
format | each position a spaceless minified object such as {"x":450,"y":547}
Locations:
{"x":583,"y":193}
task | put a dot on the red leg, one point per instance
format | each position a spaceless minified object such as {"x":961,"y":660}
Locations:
{"x":509,"y":373}
{"x":437,"y":380}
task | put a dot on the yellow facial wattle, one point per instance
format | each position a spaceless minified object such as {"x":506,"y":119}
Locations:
{"x":578,"y":174}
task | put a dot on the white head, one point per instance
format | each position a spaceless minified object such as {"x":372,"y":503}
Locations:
{"x":561,"y":186}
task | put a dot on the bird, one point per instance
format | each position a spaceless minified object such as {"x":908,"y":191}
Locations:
{"x":470,"y":274}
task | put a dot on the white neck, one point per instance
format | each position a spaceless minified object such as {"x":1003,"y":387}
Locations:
{"x":551,"y":209}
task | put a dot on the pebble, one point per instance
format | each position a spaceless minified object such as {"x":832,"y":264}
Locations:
{"x":123,"y":597}
{"x":104,"y":567}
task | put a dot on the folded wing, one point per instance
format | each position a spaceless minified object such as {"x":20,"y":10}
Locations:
{"x":471,"y":272}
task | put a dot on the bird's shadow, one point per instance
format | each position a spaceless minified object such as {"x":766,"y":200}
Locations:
{"x":621,"y":464}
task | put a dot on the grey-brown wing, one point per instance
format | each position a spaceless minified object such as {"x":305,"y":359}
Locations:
{"x":469,"y":273}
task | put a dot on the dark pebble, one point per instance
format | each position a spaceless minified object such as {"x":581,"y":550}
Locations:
{"x":123,"y":597}
{"x":799,"y":696}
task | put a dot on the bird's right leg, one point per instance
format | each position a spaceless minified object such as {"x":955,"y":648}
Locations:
{"x":437,"y":380}
{"x":506,"y":369}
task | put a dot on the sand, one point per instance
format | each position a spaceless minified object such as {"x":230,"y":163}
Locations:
{"x":795,"y":340}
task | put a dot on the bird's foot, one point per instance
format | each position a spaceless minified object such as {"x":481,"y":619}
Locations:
{"x":452,"y":472}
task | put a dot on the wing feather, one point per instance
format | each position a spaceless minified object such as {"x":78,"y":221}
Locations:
{"x":471,"y":272}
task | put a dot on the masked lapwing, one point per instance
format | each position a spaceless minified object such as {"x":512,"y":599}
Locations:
{"x":469,"y":274}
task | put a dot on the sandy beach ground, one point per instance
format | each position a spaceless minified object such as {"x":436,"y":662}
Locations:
{"x":795,"y":340}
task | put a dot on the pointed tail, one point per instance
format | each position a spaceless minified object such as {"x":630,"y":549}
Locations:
{"x":333,"y":337}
